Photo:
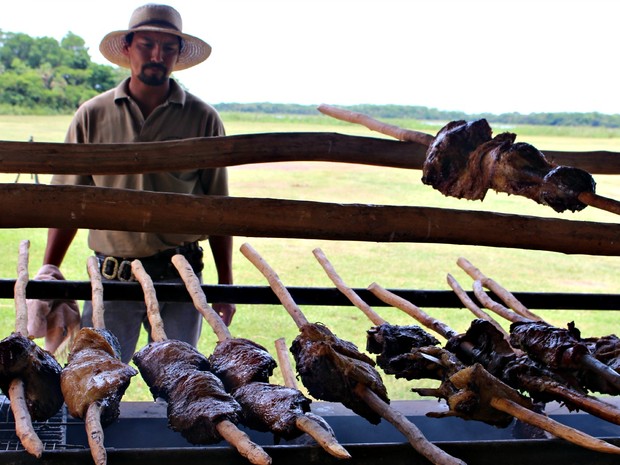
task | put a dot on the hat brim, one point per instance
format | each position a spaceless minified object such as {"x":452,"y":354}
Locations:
{"x":194,"y":50}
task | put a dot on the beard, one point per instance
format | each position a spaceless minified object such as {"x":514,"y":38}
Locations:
{"x":155,"y":78}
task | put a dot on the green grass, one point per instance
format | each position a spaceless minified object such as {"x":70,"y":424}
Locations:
{"x":393,"y":265}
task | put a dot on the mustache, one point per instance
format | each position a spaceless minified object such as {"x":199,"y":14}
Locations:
{"x":155,"y":66}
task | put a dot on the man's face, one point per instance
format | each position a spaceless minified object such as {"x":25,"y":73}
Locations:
{"x":152,"y":56}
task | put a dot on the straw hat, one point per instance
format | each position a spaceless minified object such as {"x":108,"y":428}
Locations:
{"x":158,"y":18}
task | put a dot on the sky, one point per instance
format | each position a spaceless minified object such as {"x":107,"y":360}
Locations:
{"x":475,"y":56}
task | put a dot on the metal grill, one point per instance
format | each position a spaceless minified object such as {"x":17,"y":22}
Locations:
{"x":52,"y":432}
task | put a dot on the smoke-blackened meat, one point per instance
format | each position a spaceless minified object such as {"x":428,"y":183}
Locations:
{"x":555,"y":347}
{"x":396,"y":348}
{"x":239,"y":361}
{"x":95,"y":374}
{"x":197,"y":401}
{"x":330,"y":368}
{"x":464,"y":161}
{"x":21,"y":358}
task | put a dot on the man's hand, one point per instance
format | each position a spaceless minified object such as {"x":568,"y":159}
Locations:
{"x":54,"y":319}
{"x":225,"y":311}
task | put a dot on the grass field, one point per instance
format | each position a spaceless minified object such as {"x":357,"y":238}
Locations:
{"x":393,"y":265}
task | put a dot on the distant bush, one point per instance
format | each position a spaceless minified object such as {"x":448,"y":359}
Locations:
{"x":39,"y":75}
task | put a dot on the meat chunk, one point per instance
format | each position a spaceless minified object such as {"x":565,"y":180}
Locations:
{"x":269,"y":407}
{"x":464,"y":161}
{"x":95,"y":374}
{"x":330,"y":368}
{"x":21,"y":358}
{"x":239,"y":361}
{"x":197,"y":401}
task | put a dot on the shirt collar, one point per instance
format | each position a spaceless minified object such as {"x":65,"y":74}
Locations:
{"x":177,"y":94}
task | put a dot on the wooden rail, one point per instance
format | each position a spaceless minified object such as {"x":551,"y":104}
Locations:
{"x":40,"y":206}
{"x":211,"y":152}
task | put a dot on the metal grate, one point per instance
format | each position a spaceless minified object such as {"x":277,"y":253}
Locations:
{"x":52,"y":432}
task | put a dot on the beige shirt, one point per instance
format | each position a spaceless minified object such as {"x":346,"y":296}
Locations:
{"x":113,"y":117}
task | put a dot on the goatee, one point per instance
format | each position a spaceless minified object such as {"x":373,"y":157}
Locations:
{"x":153,"y":79}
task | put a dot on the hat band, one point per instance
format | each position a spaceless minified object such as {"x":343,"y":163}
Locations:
{"x":164,"y":24}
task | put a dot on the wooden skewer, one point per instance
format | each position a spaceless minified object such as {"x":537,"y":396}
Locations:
{"x":507,"y":296}
{"x":408,"y":429}
{"x":518,"y":411}
{"x":227,"y":429}
{"x":285,"y":363}
{"x":158,"y":333}
{"x":346,"y":290}
{"x":21,"y":308}
{"x":276,"y":284}
{"x":92,"y":420}
{"x":587,"y":198}
{"x":557,"y":429}
{"x":192,"y":283}
{"x":309,"y":424}
{"x":222,"y":332}
{"x":471,"y":305}
{"x":494,"y":306}
{"x":412,"y":310}
{"x":23,"y":421}
{"x":377,"y":126}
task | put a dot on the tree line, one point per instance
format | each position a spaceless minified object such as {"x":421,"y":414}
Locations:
{"x":44,"y":75}
{"x":41,"y":75}
{"x":593,"y":119}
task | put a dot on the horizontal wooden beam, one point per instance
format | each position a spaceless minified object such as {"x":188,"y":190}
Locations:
{"x":211,"y":152}
{"x":40,"y":206}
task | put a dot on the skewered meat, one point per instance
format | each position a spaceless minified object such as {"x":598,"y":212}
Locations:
{"x":95,"y":374}
{"x":239,"y":361}
{"x":394,"y":343}
{"x":197,"y":401}
{"x":330,"y":368}
{"x":269,"y":407}
{"x":21,"y":358}
{"x":464,"y":161}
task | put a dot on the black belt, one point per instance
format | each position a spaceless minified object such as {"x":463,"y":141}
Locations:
{"x":158,"y":266}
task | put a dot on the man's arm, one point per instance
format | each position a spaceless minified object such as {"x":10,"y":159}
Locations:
{"x":221,"y":248}
{"x":58,"y":242}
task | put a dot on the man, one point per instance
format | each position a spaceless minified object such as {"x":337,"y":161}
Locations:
{"x":148,"y":106}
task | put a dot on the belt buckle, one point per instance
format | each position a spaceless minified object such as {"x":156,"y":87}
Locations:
{"x":105,"y":267}
{"x":120,"y":274}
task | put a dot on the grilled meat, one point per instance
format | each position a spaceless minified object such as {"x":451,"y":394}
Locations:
{"x":21,"y":358}
{"x":330,"y":368}
{"x":95,"y":373}
{"x":464,"y":161}
{"x":269,"y":407}
{"x":239,"y":361}
{"x":197,"y":401}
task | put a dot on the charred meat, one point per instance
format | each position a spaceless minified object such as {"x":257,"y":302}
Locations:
{"x":21,"y":358}
{"x":197,"y":401}
{"x":239,"y":361}
{"x":330,"y":368}
{"x":269,"y":407}
{"x":465,"y":161}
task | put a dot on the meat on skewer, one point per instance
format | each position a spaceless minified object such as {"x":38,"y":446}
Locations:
{"x":244,"y":367}
{"x":483,"y":343}
{"x":29,"y":375}
{"x":560,"y":349}
{"x":334,"y":370}
{"x":474,"y":393}
{"x":464,"y":161}
{"x":198,"y":405}
{"x":95,"y":379}
{"x":391,"y":343}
